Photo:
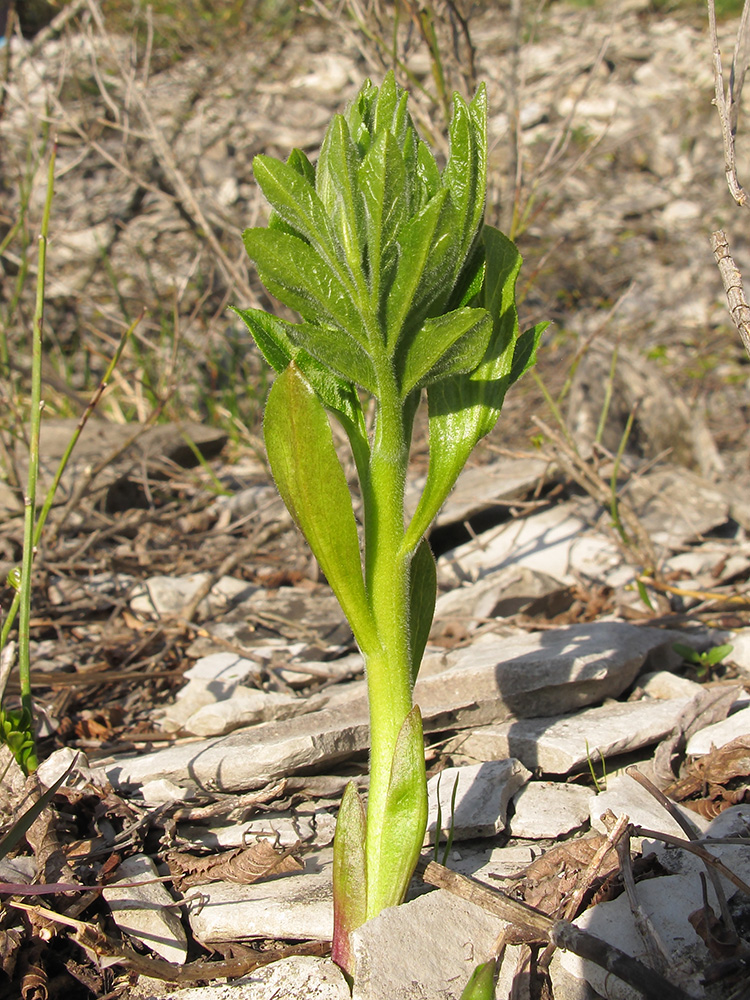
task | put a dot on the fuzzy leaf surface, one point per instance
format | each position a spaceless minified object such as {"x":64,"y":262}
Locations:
{"x":422,"y":595}
{"x":298,"y":276}
{"x":349,"y":877}
{"x":465,"y":408}
{"x":446,"y":345}
{"x":405,"y":818}
{"x":312,"y":484}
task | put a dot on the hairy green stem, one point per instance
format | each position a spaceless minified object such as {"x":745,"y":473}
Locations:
{"x":387,"y":578}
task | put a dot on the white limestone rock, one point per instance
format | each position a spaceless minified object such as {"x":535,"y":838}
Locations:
{"x":551,"y":809}
{"x":147,"y":912}
{"x":483,"y":792}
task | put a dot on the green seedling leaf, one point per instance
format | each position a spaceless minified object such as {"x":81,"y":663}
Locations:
{"x":422,"y":595}
{"x":17,"y":733}
{"x":466,"y":170}
{"x":428,"y":175}
{"x":415,"y":240}
{"x":381,"y":178}
{"x":276,"y":342}
{"x":405,"y":818}
{"x":643,"y":594}
{"x":23,"y":823}
{"x":465,"y":408}
{"x":312,"y":484}
{"x":295,"y":200}
{"x":298,"y":276}
{"x":446,"y":345}
{"x":335,"y":350}
{"x":336,"y":183}
{"x":14,"y":578}
{"x":713,"y":656}
{"x":349,"y":877}
{"x":688,"y":654}
{"x":481,"y":985}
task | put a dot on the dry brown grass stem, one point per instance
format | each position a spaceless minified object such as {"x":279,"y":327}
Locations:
{"x":727,"y":98}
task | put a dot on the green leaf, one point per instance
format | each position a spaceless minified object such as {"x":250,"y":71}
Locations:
{"x":381,"y":180}
{"x":481,"y":985}
{"x":17,"y":733}
{"x":336,"y":184}
{"x":349,"y":877}
{"x":466,"y":170}
{"x":277,"y":343}
{"x":688,"y":654}
{"x":446,"y":345}
{"x":417,"y":242}
{"x":428,"y":175}
{"x":422,"y":594}
{"x":405,"y":818}
{"x":299,"y":277}
{"x":296,"y":201}
{"x":312,"y":484}
{"x":298,"y":161}
{"x":269,"y":333}
{"x":713,"y":656}
{"x":465,"y":408}
{"x":336,"y":350}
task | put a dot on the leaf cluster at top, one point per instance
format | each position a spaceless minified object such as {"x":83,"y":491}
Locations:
{"x":376,"y":248}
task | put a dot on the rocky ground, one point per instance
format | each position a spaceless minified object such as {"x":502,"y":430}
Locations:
{"x":183,"y":639}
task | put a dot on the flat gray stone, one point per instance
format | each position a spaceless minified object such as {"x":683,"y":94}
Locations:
{"x":536,"y":674}
{"x":299,"y":977}
{"x":668,"y":901}
{"x":559,"y":744}
{"x":624,"y":796}
{"x":249,"y":758}
{"x":509,"y":591}
{"x":493,"y":679}
{"x":162,"y":596}
{"x":147,"y":912}
{"x":557,"y":541}
{"x":483,"y":487}
{"x":720,"y":733}
{"x":289,"y":906}
{"x":483,"y":792}
{"x":284,"y":829}
{"x":548,"y":809}
{"x":426,"y":948}
{"x":488,"y":863}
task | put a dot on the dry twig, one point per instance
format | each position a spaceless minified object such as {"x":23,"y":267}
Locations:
{"x":727,"y":99}
{"x":533,"y":925}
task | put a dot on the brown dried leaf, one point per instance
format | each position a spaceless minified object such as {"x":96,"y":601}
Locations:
{"x":709,"y":706}
{"x":10,"y":942}
{"x":717,"y":800}
{"x":717,"y":768}
{"x":546,"y":882}
{"x":243,"y":865}
{"x":711,"y":931}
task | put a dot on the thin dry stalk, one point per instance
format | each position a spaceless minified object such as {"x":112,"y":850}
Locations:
{"x":727,"y":99}
{"x":691,"y":834}
{"x":533,"y":925}
{"x":615,"y":836}
{"x":731,"y":278}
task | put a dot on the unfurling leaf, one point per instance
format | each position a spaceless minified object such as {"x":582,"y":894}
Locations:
{"x":422,"y":594}
{"x":313,"y":486}
{"x":349,"y":876}
{"x":405,"y":818}
{"x":481,"y":985}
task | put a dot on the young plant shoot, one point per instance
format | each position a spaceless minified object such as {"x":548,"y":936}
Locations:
{"x":402,"y":290}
